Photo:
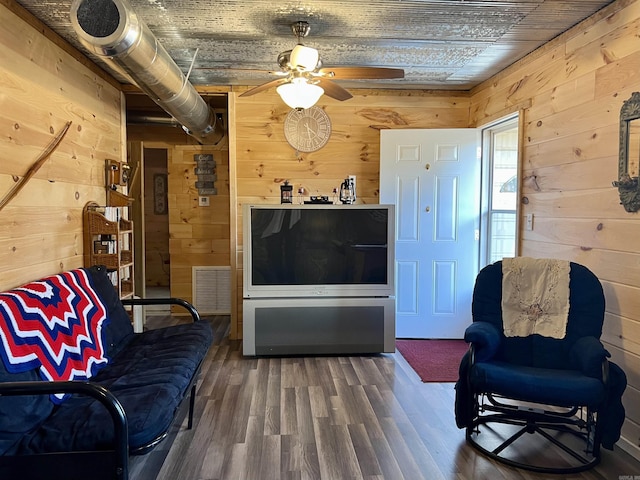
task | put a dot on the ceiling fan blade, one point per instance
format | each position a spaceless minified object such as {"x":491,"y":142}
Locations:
{"x":333,"y":90}
{"x":264,"y":86}
{"x":355,"y":73}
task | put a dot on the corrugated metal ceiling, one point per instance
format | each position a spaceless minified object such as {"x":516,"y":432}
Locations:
{"x":451,"y":44}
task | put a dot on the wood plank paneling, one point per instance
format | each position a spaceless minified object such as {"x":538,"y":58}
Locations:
{"x":588,"y":145}
{"x":621,"y":74}
{"x":198,"y":236}
{"x":263,"y":159}
{"x":565,"y":96}
{"x":623,"y":298}
{"x":585,"y":117}
{"x":587,"y":233}
{"x":622,"y":332}
{"x":575,"y":176}
{"x":42,"y":86}
{"x":576,"y":85}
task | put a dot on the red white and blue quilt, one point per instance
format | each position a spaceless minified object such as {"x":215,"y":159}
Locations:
{"x":56,"y":325}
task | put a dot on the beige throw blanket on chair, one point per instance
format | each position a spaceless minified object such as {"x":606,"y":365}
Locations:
{"x":535,"y":297}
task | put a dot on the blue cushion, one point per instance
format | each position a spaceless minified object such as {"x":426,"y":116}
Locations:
{"x":20,"y":414}
{"x":486,"y":339}
{"x":149,"y":376}
{"x":562,"y":372}
{"x":587,"y":355}
{"x":119,"y":330}
{"x":82,"y":423}
{"x":586,"y":315}
{"x":564,"y":388}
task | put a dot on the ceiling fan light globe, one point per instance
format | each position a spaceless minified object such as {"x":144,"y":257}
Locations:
{"x":300,"y":95}
{"x":304,"y":58}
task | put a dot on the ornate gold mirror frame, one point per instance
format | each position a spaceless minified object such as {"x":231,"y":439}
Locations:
{"x":629,"y":155}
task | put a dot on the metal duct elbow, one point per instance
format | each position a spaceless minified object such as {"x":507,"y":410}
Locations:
{"x":110,"y":29}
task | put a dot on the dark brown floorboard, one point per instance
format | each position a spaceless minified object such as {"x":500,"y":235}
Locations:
{"x":331,"y":418}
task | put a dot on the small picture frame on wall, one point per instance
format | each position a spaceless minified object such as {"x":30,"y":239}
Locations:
{"x":160,"y":206}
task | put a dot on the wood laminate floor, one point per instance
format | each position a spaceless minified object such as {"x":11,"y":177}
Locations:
{"x":331,"y":418}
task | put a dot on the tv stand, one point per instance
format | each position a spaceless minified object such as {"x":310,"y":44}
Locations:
{"x":317,"y":326}
{"x":318,"y":279}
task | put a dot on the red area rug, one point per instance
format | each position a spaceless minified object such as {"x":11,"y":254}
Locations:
{"x":433,"y":360}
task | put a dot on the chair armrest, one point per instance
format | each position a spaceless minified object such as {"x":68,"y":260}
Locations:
{"x":104,"y":396}
{"x":164,"y":301}
{"x":587,"y":355}
{"x":485,"y":338}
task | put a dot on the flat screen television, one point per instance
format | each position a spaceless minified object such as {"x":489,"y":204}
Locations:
{"x":318,"y":250}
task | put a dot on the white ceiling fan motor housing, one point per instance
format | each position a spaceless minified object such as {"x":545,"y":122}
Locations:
{"x":304,"y":58}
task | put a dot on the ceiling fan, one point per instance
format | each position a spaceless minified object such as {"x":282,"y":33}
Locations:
{"x":303,"y":79}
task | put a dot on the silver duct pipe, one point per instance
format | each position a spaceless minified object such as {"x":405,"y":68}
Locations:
{"x":110,"y":28}
{"x":159,"y":121}
{"x":152,"y":120}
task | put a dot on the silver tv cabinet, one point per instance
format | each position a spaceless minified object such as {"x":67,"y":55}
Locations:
{"x":330,"y":319}
{"x":316,"y":326}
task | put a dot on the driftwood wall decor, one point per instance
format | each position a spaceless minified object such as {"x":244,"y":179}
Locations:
{"x":36,"y":166}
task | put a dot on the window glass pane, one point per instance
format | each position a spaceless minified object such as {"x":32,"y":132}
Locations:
{"x":502,"y":186}
{"x":502,"y":240}
{"x":505,"y":170}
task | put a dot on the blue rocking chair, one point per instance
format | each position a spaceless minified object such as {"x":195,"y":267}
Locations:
{"x":562,"y":391}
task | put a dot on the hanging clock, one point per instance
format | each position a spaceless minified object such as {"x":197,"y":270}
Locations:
{"x":307,"y":130}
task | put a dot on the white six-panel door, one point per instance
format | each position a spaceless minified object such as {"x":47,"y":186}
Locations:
{"x":433,"y":178}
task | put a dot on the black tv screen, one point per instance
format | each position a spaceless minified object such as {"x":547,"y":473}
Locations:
{"x":319,"y":250}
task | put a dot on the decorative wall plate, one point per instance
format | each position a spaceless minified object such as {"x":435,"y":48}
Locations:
{"x":307,"y":130}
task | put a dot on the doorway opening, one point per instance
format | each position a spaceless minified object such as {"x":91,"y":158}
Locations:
{"x":455,"y":193}
{"x":500,"y":191}
{"x":156,"y":224}
{"x":433,"y":177}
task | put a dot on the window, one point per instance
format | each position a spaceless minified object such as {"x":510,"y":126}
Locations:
{"x":500,"y":143}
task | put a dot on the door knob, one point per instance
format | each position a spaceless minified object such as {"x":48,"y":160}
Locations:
{"x":428,"y":209}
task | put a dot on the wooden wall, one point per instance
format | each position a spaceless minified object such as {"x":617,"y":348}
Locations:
{"x":575,"y":87}
{"x":41,"y":88}
{"x":197,"y":235}
{"x":261,"y":159}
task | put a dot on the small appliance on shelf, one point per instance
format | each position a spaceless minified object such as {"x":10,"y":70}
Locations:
{"x":286,"y":192}
{"x":348,"y":191}
{"x":318,"y":199}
